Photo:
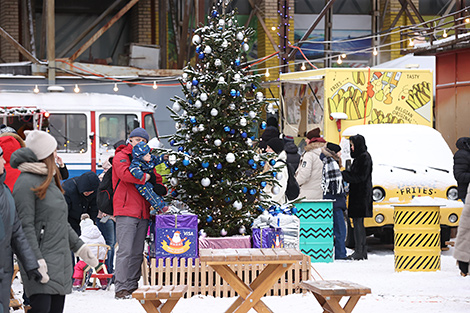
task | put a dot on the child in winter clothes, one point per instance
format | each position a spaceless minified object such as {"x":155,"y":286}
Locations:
{"x":89,"y":234}
{"x":143,"y":163}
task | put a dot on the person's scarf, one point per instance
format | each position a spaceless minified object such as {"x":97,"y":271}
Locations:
{"x":332,"y":180}
{"x":39,"y":168}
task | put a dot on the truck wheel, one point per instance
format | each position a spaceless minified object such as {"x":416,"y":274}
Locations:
{"x":349,"y":235}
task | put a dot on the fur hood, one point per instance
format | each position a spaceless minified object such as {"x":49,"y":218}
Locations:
{"x":314,"y":145}
{"x":327,"y":152}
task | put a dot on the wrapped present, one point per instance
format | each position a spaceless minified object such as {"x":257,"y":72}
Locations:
{"x":176,"y":236}
{"x":268,"y":237}
{"x":289,"y":224}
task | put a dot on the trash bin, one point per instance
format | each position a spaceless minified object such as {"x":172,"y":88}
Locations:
{"x":417,"y":238}
{"x":316,"y":229}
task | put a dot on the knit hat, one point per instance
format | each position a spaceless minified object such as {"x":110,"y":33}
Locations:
{"x":86,"y":223}
{"x":333,"y":147}
{"x":41,"y":143}
{"x":140,"y":132}
{"x":314,"y":133}
{"x":7,"y":129}
{"x":277,"y":144}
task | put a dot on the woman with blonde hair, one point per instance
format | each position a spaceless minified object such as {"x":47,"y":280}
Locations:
{"x":43,"y":212}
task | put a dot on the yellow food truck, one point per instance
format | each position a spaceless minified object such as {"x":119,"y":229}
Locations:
{"x":336,"y":99}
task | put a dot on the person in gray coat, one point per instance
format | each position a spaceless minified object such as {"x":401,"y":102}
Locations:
{"x":42,"y":209}
{"x":12,"y":240}
{"x":462,"y":242}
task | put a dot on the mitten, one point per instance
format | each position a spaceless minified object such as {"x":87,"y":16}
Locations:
{"x":159,"y":189}
{"x":153,"y":178}
{"x":87,"y":256}
{"x":43,"y":271}
{"x":34,"y":274}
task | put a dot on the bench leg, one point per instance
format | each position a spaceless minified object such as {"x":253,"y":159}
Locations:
{"x":151,"y":306}
{"x":351,"y":303}
{"x":331,"y":303}
{"x":169,"y":305}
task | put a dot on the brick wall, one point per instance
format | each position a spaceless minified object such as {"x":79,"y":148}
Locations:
{"x":9,"y":21}
{"x":141,"y":24}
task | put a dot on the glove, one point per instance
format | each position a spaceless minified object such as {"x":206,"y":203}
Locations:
{"x":159,"y":189}
{"x":34,"y":275}
{"x":86,"y":255}
{"x":43,"y":271}
{"x":153,"y":178}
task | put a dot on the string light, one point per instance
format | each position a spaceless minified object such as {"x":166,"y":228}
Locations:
{"x":155,"y":86}
{"x":267,"y":73}
{"x":411,"y":43}
{"x":36,"y":89}
{"x":273,"y":28}
{"x":343,"y":56}
{"x":115,"y":88}
{"x":467,"y":20}
{"x":444,"y":34}
{"x":76,"y":89}
{"x":303,"y":67}
{"x":375,"y":52}
{"x":339,"y":61}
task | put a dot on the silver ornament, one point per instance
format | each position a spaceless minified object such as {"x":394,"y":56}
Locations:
{"x":232,"y":106}
{"x":174,"y":181}
{"x":221,"y":79}
{"x":249,"y":142}
{"x":240,"y":36}
{"x":217,"y":62}
{"x":237,"y":77}
{"x":176,"y":107}
{"x":223,"y":232}
{"x":276,"y":190}
{"x":237,"y":205}
{"x":207,"y":50}
{"x":230,"y":157}
{"x":259,"y":96}
{"x":246,"y":47}
{"x":172,"y":159}
{"x":205,"y":182}
{"x":221,"y":22}
{"x":217,"y":142}
{"x":279,"y":176}
{"x":196,"y":40}
{"x":256,"y":157}
{"x":185,"y":76}
{"x":252,"y":114}
{"x":242,"y":230}
{"x":201,"y":127}
{"x":214,"y":112}
{"x":243,"y":121}
{"x":203,"y":96}
{"x":195,"y":129}
{"x":198,"y":104}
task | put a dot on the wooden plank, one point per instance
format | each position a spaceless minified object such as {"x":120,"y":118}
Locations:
{"x":335,"y":287}
{"x":295,"y":254}
{"x":244,"y":255}
{"x":164,"y":293}
{"x":178,"y":291}
{"x":283,"y":255}
{"x":160,"y":272}
{"x":269,"y":254}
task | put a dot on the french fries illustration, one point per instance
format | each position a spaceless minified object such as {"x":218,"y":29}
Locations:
{"x":419,"y":95}
{"x":359,"y":77}
{"x":378,"y":117}
{"x":351,"y":101}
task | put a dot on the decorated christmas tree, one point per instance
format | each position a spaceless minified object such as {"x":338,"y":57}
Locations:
{"x":217,"y":169}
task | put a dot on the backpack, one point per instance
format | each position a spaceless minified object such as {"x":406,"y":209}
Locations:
{"x":293,"y":189}
{"x":104,"y":197}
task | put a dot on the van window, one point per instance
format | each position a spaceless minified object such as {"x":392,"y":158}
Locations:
{"x":150,"y":125}
{"x":70,"y":131}
{"x":115,"y":127}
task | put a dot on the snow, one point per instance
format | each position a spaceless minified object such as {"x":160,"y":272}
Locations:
{"x":417,"y":292}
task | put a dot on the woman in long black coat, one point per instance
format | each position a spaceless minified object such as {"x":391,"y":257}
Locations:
{"x":359,"y":177}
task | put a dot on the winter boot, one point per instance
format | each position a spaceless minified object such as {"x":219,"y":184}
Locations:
{"x":463,"y":266}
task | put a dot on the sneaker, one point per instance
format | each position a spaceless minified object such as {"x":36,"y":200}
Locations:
{"x":122,"y":294}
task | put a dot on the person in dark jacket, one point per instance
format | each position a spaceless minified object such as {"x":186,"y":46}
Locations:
{"x":333,"y":189}
{"x":462,"y":166}
{"x":80,"y":194}
{"x":271,"y":131}
{"x":359,"y":177}
{"x":12,"y":240}
{"x":43,"y":211}
{"x":293,"y":156}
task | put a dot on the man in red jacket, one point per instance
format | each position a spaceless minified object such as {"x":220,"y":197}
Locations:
{"x":132,"y":214}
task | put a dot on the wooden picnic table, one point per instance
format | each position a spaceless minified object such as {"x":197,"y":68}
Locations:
{"x":278,"y":262}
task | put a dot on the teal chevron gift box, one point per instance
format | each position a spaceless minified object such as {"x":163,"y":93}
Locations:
{"x":316,"y":229}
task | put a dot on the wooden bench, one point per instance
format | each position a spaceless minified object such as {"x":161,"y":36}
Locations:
{"x":150,"y":296}
{"x":329,"y":293}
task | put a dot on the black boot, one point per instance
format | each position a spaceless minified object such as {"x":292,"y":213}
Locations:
{"x":463,"y":266}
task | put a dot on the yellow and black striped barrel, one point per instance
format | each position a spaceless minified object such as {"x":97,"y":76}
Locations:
{"x":417,"y":238}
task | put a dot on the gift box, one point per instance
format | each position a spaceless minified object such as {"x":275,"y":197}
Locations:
{"x":176,"y":236}
{"x":268,"y":237}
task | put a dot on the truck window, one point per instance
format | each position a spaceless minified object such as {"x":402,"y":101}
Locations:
{"x":115,"y":127}
{"x":70,"y":131}
{"x":149,"y":123}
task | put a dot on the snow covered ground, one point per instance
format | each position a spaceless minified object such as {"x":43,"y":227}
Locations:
{"x":441,"y":291}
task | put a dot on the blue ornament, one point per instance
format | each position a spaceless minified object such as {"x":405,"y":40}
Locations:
{"x":209,"y":219}
{"x":174,"y":193}
{"x":198,"y":49}
{"x":260,"y":208}
{"x":251,"y":161}
{"x":274,"y":174}
{"x":252,"y":137}
{"x":262,"y":163}
{"x":233,"y":92}
{"x":227,"y":199}
{"x":253,"y":86}
{"x":185,"y":162}
{"x":254,"y":166}
{"x":219,"y":166}
{"x":195,"y":82}
{"x":244,"y":135}
{"x":205,"y":164}
{"x":187,"y":153}
{"x":232,"y":131}
{"x":272,"y":162}
{"x":263,"y":125}
{"x":226,"y":129}
{"x":190,"y":101}
{"x":172,"y":142}
{"x":263,"y":184}
{"x":190,"y":175}
{"x":172,"y":170}
{"x":237,"y":62}
{"x":201,"y":55}
{"x":215,"y":13}
{"x":252,"y":191}
{"x":180,"y":149}
{"x":244,"y":190}
{"x":219,"y":91}
{"x":294,"y":210}
{"x":175,"y":168}
{"x":238,"y":93}
{"x":193,"y":120}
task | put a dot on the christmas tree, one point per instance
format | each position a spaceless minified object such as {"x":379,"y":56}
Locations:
{"x":216,"y":169}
